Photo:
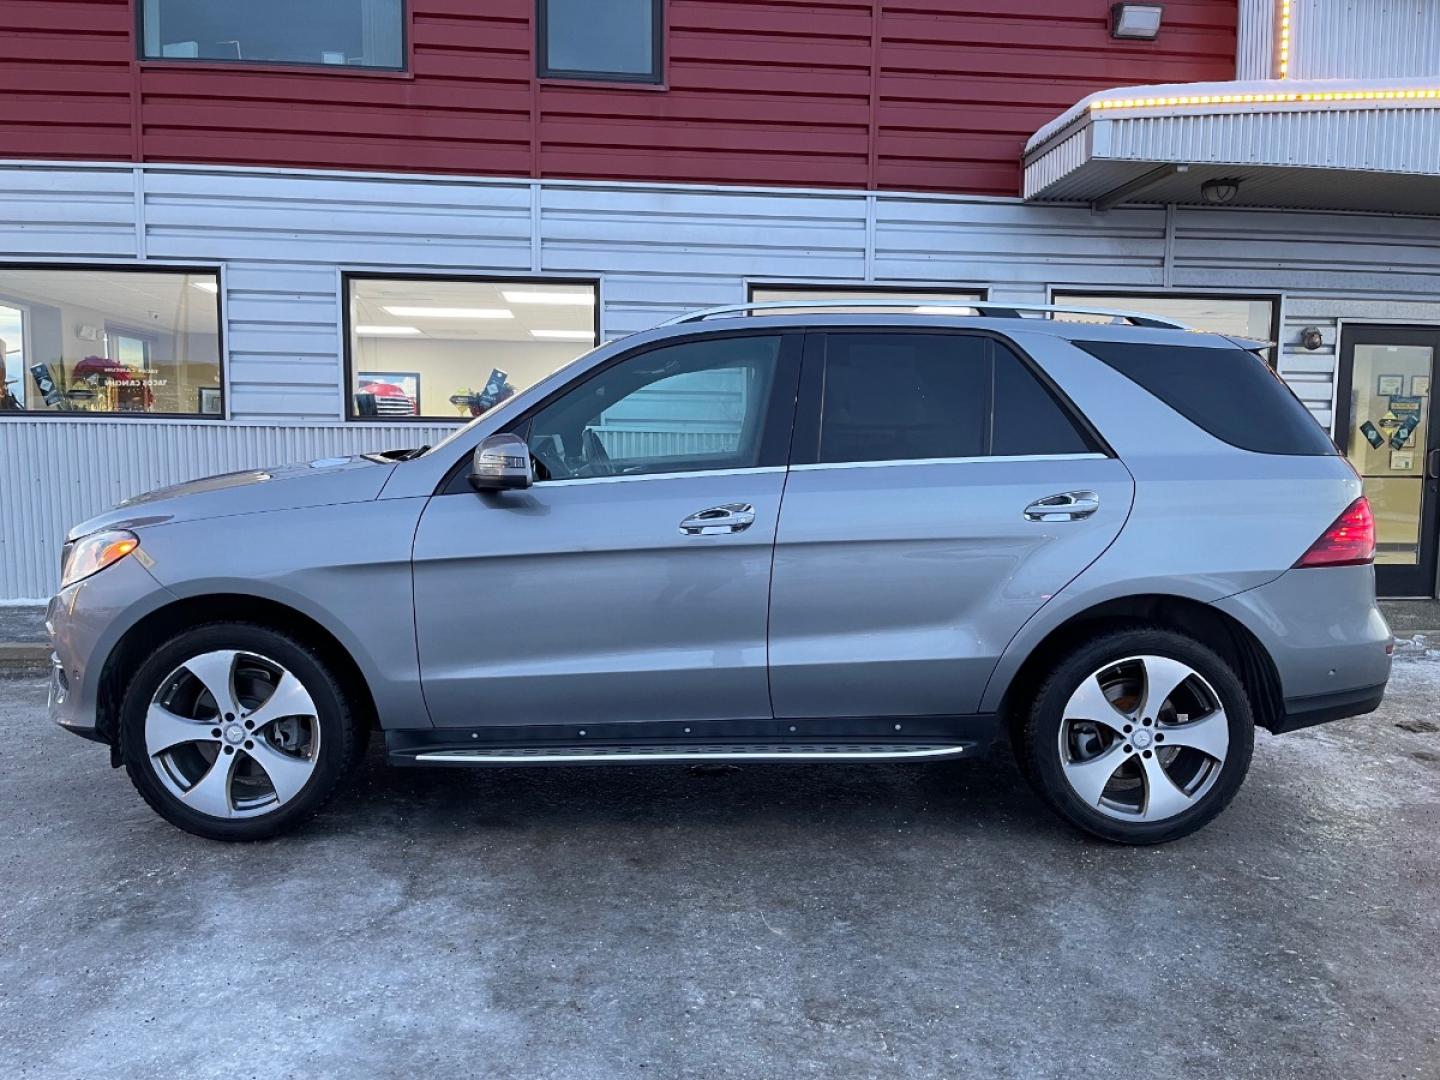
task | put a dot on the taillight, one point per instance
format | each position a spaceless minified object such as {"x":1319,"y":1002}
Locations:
{"x":1348,"y":542}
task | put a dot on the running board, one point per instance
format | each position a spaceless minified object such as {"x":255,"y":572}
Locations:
{"x":594,"y":755}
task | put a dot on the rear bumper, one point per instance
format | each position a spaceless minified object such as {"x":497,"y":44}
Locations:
{"x":1329,"y":643}
{"x":1322,"y":708}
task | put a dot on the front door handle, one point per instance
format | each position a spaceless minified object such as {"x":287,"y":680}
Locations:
{"x":1066,"y":506}
{"x":718,"y":520}
{"x":1432,"y":465}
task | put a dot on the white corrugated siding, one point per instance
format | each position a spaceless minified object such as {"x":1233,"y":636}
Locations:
{"x":1255,"y":39}
{"x":1364,"y":39}
{"x":282,"y":239}
{"x":60,"y":472}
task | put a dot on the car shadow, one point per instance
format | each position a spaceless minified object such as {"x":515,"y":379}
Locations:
{"x":852,"y":796}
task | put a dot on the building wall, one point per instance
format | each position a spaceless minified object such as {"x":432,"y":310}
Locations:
{"x":1376,"y":39}
{"x":920,"y":95}
{"x":281,"y":241}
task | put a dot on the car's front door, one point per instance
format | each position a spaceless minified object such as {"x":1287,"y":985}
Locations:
{"x":940,"y":492}
{"x":631,"y":582}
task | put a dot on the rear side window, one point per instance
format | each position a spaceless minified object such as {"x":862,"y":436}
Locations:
{"x":907,"y":396}
{"x":1230,"y":393}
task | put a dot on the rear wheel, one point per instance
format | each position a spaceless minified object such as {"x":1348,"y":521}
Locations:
{"x":1139,"y":736}
{"x":234,"y":731}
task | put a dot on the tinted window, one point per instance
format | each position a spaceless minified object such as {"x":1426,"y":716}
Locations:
{"x":1027,"y":419}
{"x":699,"y":405}
{"x":1229,"y":392}
{"x":341,"y":33}
{"x":600,"y":39}
{"x":896,"y":397}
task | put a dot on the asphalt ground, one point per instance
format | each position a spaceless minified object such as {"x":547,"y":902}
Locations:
{"x":772,"y":921}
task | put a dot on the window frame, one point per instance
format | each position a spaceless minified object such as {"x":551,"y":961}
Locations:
{"x":347,"y":338}
{"x":776,"y":440}
{"x":1275,"y":300}
{"x":805,"y":444}
{"x":404,"y":70}
{"x":654,"y":78}
{"x":222,"y":356}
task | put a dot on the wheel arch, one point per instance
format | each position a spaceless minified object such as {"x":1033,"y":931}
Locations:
{"x":1218,"y":630}
{"x":164,"y":622}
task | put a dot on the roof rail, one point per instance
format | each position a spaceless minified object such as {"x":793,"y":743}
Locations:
{"x":984,"y":308}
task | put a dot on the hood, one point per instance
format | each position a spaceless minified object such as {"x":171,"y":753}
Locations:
{"x":324,"y":482}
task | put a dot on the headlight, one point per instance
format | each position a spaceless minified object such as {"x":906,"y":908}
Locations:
{"x":91,"y":554}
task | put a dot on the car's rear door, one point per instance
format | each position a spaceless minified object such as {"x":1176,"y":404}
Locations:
{"x":941,"y":490}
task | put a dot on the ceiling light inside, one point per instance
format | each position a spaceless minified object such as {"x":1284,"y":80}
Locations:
{"x":386,"y":331}
{"x":451,"y":312}
{"x":521,"y":296}
{"x":205,"y":286}
{"x":1137,"y":22}
{"x":564,"y":335}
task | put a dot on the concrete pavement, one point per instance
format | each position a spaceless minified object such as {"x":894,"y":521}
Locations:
{"x":783,"y":921}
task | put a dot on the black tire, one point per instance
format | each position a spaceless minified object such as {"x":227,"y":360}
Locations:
{"x":1037,"y":736}
{"x":339,"y":737}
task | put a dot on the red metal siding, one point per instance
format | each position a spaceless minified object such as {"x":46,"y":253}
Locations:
{"x":899,"y":94}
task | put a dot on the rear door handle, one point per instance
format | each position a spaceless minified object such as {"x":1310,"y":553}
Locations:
{"x":718,"y":520}
{"x":1432,"y":464}
{"x":1066,"y":506}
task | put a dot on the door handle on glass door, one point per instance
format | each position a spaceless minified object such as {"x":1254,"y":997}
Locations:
{"x":1067,"y":506}
{"x":718,"y":520}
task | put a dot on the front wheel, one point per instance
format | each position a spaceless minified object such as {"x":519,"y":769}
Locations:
{"x":1139,"y":736}
{"x":234,"y":731}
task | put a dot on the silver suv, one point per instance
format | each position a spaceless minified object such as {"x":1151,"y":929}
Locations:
{"x":814,"y":536}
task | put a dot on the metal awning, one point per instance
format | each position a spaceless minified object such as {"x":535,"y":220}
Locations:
{"x":1322,"y":144}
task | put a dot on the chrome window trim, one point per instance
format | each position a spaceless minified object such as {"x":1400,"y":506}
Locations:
{"x":689,"y":474}
{"x":817,"y":466}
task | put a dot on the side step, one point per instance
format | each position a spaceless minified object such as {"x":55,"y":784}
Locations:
{"x":595,"y":755}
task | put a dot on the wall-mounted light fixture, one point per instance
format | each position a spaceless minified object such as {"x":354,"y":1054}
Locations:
{"x":1139,"y":22}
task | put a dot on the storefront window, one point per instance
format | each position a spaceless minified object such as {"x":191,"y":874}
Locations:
{"x":109,"y":341}
{"x":1247,"y":317}
{"x":907,"y":300}
{"x":450,"y":350}
{"x":339,"y":33}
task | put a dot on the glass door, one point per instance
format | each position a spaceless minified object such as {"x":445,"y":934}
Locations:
{"x":1384,"y":425}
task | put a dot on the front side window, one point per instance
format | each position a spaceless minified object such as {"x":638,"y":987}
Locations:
{"x":698,"y":405}
{"x":337,"y":33}
{"x":909,"y":396}
{"x":608,"y":40}
{"x":452,"y":350}
{"x":109,"y":341}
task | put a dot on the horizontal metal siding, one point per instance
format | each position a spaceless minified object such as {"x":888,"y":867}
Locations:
{"x":913,"y":95}
{"x":658,"y":250}
{"x":61,"y":472}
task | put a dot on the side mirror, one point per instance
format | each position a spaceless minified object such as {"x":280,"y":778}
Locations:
{"x":502,"y":463}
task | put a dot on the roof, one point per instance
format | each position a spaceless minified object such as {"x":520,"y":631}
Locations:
{"x":1377,"y":141}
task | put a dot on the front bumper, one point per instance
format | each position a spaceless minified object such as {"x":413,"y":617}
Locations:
{"x":85,"y":623}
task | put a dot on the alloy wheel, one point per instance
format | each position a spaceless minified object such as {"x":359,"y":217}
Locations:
{"x":232,"y":734}
{"x":1143,"y":739}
